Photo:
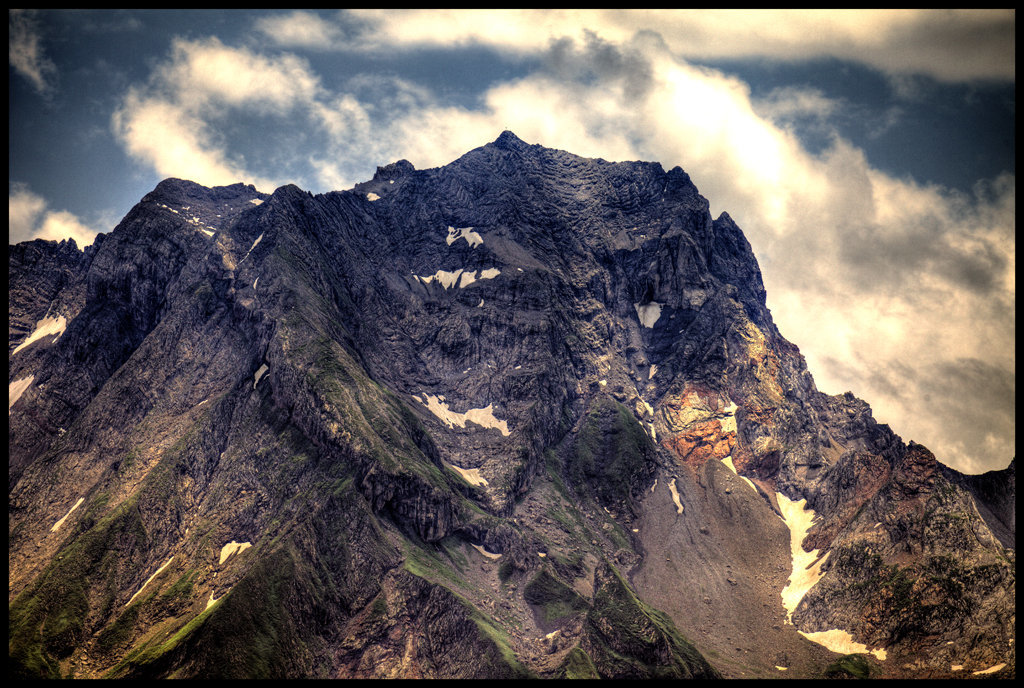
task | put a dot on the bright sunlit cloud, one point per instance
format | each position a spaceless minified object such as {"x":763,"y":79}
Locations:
{"x":29,"y":218}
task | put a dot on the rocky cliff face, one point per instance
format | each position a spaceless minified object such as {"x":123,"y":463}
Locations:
{"x":524,"y":414}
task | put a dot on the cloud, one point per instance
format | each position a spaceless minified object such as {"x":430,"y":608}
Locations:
{"x":29,"y":218}
{"x":25,"y":51}
{"x":174,"y":122}
{"x":948,"y":45}
{"x":301,"y":29}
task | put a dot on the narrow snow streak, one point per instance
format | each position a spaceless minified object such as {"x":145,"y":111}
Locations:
{"x":258,"y":375}
{"x":841,"y":642}
{"x":675,"y":495}
{"x":489,"y":555}
{"x":59,"y":523}
{"x":44,"y":328}
{"x":149,"y":580}
{"x":990,"y":670}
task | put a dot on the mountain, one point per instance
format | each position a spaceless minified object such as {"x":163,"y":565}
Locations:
{"x":526,"y":414}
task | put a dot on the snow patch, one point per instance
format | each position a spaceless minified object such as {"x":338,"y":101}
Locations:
{"x":990,"y":670}
{"x":254,"y":244}
{"x":471,"y":475}
{"x":782,"y":668}
{"x":16,"y":389}
{"x":654,"y":485}
{"x":841,"y":642}
{"x":652,"y":372}
{"x":149,"y":580}
{"x":728,"y":462}
{"x":210,"y":602}
{"x":231,"y":548}
{"x":59,"y":523}
{"x":449,"y":279}
{"x":258,"y":375}
{"x":44,"y":328}
{"x":489,"y":555}
{"x":956,"y":667}
{"x":675,"y":495}
{"x":254,"y":201}
{"x":481,"y":416}
{"x":729,"y":420}
{"x":467,"y":233}
{"x":806,"y":565}
{"x":648,"y":313}
{"x":372,"y":196}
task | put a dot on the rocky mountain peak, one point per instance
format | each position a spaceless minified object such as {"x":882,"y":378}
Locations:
{"x":484,"y":420}
{"x":509,"y":141}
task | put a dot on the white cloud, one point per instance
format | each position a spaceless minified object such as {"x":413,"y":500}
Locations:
{"x":301,"y":29}
{"x":29,"y":218}
{"x":950,"y":45}
{"x":25,"y":52}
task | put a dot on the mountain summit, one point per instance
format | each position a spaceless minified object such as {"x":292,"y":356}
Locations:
{"x":526,"y":414}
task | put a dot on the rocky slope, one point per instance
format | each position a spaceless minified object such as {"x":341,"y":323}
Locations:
{"x":526,"y":414}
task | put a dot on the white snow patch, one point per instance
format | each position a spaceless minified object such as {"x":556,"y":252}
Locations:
{"x":254,"y":201}
{"x":654,"y":485}
{"x":652,"y":372}
{"x":728,"y":462}
{"x":489,"y":555}
{"x":254,"y":244}
{"x":254,"y":282}
{"x":489,"y":273}
{"x":542,"y":554}
{"x":231,"y":548}
{"x":841,"y":642}
{"x":149,"y":580}
{"x":258,"y":375}
{"x":956,"y":667}
{"x":729,"y":420}
{"x":603,"y":383}
{"x":59,"y":523}
{"x":210,"y":602}
{"x":467,"y":279}
{"x":806,"y":565}
{"x":648,"y":313}
{"x":481,"y":416}
{"x":445,"y":279}
{"x":653,"y":433}
{"x":472,"y":238}
{"x":471,"y":475}
{"x":16,"y":389}
{"x":990,"y":670}
{"x":481,"y":304}
{"x":44,"y":328}
{"x":675,"y":495}
{"x":372,"y":196}
{"x":782,"y":668}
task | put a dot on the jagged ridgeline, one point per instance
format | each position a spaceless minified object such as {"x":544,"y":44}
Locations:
{"x":522,"y":415}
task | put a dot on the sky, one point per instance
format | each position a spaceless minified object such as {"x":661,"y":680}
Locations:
{"x":868,"y":156}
